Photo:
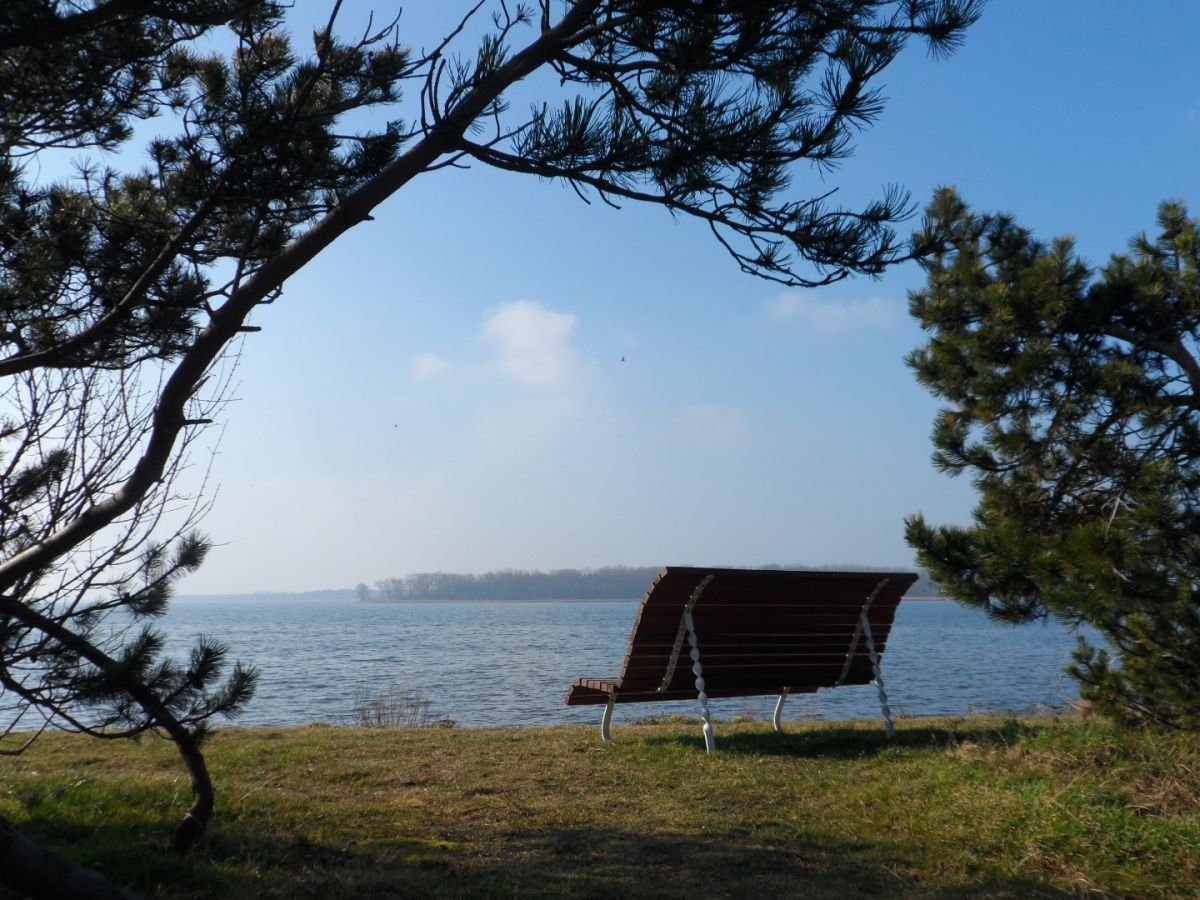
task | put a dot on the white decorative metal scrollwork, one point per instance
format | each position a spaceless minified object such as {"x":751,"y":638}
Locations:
{"x":777,"y":719}
{"x":858,"y":630}
{"x":710,"y":741}
{"x":606,"y":722}
{"x":883,"y":700}
{"x":683,"y":626}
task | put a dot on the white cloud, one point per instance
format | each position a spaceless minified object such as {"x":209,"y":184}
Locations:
{"x":532,"y":348}
{"x":533,"y":345}
{"x":710,"y":423}
{"x":830,"y":317}
{"x":427,"y":367}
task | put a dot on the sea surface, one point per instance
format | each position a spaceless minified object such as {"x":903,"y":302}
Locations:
{"x":508,"y":663}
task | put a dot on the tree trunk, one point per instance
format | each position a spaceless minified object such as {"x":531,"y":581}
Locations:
{"x":192,"y":828}
{"x":36,"y":872}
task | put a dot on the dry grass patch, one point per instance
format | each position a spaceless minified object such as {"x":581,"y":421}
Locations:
{"x":965,"y":807}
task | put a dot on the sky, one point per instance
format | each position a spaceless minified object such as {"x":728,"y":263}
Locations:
{"x":492,"y":374}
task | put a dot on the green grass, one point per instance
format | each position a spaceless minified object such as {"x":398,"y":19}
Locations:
{"x":978,"y":807}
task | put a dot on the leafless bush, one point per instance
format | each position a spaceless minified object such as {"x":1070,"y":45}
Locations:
{"x":392,"y":706}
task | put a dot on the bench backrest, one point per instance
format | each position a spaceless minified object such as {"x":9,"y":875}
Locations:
{"x":759,"y":630}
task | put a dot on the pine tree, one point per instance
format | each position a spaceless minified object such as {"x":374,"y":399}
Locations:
{"x":1072,"y":399}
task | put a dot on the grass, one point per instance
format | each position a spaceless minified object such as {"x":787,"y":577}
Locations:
{"x":975,"y":807}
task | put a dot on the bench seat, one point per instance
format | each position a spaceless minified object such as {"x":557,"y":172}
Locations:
{"x":583,"y":695}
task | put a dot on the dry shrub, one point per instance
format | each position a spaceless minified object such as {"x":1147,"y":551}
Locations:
{"x":391,"y":706}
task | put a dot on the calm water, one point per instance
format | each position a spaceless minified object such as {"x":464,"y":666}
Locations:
{"x":511,"y":663}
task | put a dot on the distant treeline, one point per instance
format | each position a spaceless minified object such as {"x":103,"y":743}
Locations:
{"x":607,"y":583}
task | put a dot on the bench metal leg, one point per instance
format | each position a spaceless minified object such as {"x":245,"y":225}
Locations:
{"x":778,"y":719}
{"x":606,"y":722}
{"x":710,"y":741}
{"x":883,"y":700}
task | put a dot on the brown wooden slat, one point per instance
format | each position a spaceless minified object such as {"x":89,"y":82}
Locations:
{"x":824,"y":673}
{"x":775,"y":645}
{"x":598,"y":699}
{"x":780,"y":614}
{"x":819,"y":674}
{"x":717,"y":661}
{"x":817,"y":642}
{"x":727,"y":592}
{"x":783,"y":577}
{"x":717,"y":693}
{"x":756,"y":636}
{"x":825,"y":637}
{"x":829,"y":594}
{"x":773,"y":618}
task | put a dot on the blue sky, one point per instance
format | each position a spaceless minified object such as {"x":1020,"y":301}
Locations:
{"x":492,"y":374}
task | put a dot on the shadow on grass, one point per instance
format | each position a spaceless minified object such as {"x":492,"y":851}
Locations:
{"x":580,"y":862}
{"x":852,"y":743}
{"x":128,"y":848}
{"x":553,"y":862}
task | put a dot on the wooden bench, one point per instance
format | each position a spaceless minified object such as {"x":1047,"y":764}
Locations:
{"x":702,"y":633}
